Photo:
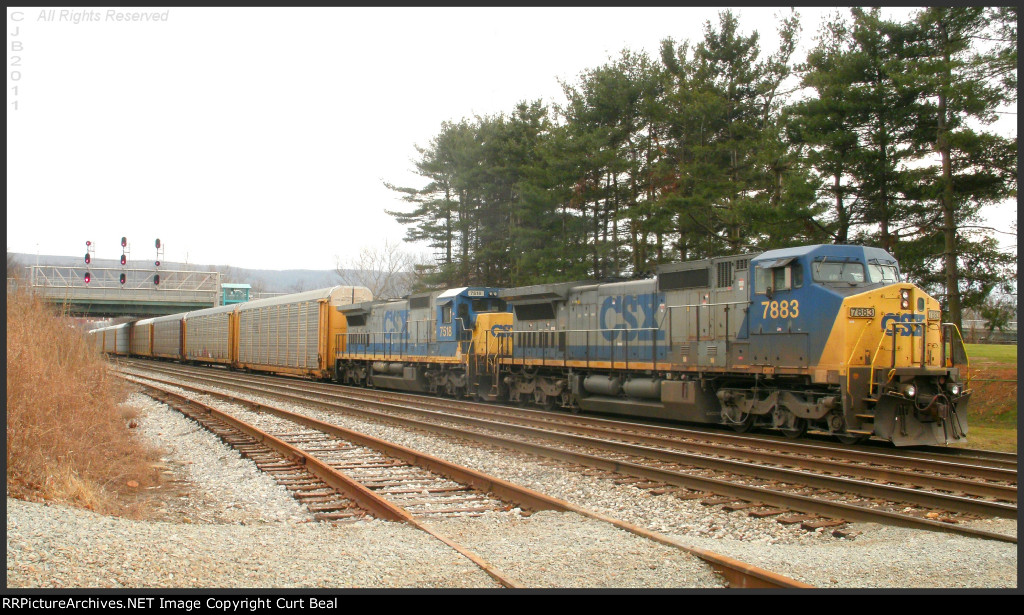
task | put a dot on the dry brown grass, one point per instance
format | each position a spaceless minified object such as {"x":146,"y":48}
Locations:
{"x":68,"y":438}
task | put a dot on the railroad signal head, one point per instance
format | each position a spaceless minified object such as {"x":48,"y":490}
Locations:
{"x":124,"y":259}
{"x":123,"y":278}
{"x":124,"y":241}
{"x":157,"y":244}
{"x":88,"y":277}
{"x":88,"y":259}
{"x":156,"y":280}
{"x":157,"y":263}
{"x":88,"y":243}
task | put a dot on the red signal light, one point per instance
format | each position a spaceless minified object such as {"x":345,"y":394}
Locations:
{"x":88,"y":243}
{"x":157,"y":244}
{"x":88,"y":277}
{"x":123,"y":259}
{"x":157,"y":263}
{"x":123,"y":278}
{"x":156,"y":279}
{"x":124,"y":241}
{"x":88,"y":259}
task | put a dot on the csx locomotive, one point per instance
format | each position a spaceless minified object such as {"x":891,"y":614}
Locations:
{"x":823,"y":337}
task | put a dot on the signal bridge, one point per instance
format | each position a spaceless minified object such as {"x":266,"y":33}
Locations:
{"x":105,"y":295}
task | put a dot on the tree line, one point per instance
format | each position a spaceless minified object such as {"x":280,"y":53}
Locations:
{"x":880,"y":136}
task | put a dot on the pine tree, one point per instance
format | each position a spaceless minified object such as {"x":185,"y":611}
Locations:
{"x":963,"y":82}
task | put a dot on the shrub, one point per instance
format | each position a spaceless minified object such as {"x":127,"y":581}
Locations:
{"x":68,"y":438}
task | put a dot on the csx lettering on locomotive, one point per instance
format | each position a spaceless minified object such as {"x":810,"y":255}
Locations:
{"x":631,"y":309}
{"x":905,"y":330}
{"x":395,"y":321}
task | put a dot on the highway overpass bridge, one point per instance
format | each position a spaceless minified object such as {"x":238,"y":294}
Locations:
{"x":105,"y":295}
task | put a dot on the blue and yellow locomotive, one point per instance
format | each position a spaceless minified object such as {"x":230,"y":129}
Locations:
{"x":438,"y":342}
{"x":825,"y":337}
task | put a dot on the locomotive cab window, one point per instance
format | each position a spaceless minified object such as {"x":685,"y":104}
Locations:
{"x":778,"y":277}
{"x":446,"y":314}
{"x":488,"y":305}
{"x":885,"y":273}
{"x":837,"y":271}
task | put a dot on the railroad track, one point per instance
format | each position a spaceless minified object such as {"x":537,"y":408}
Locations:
{"x":342,"y":475}
{"x":795,"y":479}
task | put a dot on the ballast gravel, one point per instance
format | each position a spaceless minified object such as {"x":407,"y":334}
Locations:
{"x":57,"y":546}
{"x":225,"y":524}
{"x":222,"y":486}
{"x":245,"y":531}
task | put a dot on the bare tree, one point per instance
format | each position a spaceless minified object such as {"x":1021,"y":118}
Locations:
{"x":299,"y":286}
{"x":258,"y":284}
{"x":387,"y":270}
{"x":228,"y":273}
{"x":15,"y":268}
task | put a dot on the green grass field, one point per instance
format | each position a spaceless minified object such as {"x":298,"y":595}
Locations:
{"x":1003,"y":354}
{"x":992,"y":411}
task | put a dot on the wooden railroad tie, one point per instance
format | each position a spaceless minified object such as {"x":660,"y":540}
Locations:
{"x":771,"y":512}
{"x":793,"y":519}
{"x":819,"y":523}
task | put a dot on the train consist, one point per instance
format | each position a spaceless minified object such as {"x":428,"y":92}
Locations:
{"x":823,"y":337}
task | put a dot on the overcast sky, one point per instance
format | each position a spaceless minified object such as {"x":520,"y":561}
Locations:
{"x":261,"y":138}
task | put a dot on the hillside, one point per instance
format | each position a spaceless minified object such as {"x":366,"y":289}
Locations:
{"x":262,"y":280}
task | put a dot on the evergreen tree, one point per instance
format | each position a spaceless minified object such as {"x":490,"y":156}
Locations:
{"x":963,"y":82}
{"x":738,"y":186}
{"x":824,"y":129}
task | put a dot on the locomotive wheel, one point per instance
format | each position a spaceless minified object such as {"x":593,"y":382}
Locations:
{"x":795,"y":429}
{"x":543,"y":401}
{"x":849,"y":438}
{"x":744,"y":425}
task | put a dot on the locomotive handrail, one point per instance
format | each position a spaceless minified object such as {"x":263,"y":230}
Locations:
{"x":874,"y":359}
{"x":387,"y":340}
{"x":565,"y":355}
{"x":856,"y":346}
{"x":586,"y":330}
{"x":669,"y":307}
{"x":892,"y":365}
{"x":967,"y":357}
{"x":668,"y":314}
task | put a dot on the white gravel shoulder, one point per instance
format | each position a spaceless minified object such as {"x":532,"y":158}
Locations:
{"x":240,"y":529}
{"x":219,"y":485}
{"x":58,"y":546}
{"x":225,"y":524}
{"x":875,"y":556}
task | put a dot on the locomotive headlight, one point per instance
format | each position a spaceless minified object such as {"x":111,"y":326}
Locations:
{"x":905,"y":294}
{"x":954,"y":389}
{"x":905,"y":304}
{"x":908,"y":390}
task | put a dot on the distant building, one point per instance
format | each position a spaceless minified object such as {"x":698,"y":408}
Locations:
{"x":234,"y":293}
